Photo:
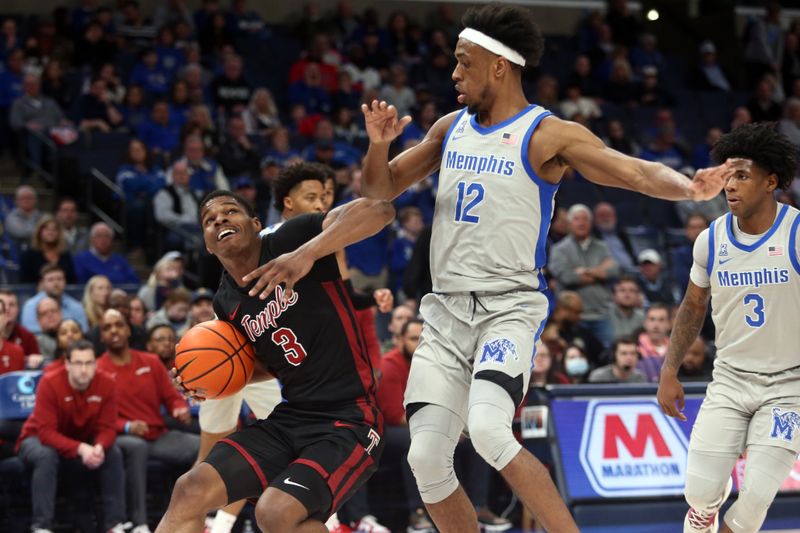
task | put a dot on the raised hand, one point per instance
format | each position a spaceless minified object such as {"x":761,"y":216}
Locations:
{"x":708,"y":182}
{"x":382,"y":122}
{"x":287,"y":269}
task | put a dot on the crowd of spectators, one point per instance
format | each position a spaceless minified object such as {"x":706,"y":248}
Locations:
{"x":218,"y":98}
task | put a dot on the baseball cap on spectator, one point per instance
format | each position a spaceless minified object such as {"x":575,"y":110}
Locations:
{"x":649,"y":256}
{"x":243,"y":183}
{"x":202,"y":294}
{"x":172,"y":255}
{"x":707,"y":47}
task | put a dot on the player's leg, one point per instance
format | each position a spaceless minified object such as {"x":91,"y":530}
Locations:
{"x":717,"y":439}
{"x":503,"y":361}
{"x":436,"y":409}
{"x":196,"y":492}
{"x":279,"y":512}
{"x":766,"y":468}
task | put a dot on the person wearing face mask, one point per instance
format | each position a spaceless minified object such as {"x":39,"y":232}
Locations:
{"x":623,"y":368}
{"x":576,"y":364}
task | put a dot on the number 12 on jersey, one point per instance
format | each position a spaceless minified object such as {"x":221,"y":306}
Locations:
{"x":469,"y":196}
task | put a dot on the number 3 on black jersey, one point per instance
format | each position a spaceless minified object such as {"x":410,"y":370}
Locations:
{"x":293,"y":351}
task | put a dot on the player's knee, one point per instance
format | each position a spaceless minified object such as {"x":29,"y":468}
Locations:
{"x":273,"y":518}
{"x":747,"y":514}
{"x":194,"y":492}
{"x":704,"y":494}
{"x":431,"y":458}
{"x":491,"y":435}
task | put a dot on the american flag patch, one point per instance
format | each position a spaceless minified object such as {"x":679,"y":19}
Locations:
{"x":509,"y":138}
{"x":774,"y":251}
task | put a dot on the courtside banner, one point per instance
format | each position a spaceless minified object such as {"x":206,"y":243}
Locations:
{"x":625,"y":447}
{"x":18,"y":394}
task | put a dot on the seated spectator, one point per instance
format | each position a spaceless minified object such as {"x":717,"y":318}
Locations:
{"x":741,"y":115}
{"x":160,"y":133}
{"x":584,"y":264}
{"x":619,"y":140}
{"x":174,"y":312}
{"x":134,"y":111}
{"x":789,"y":125}
{"x":654,"y":341}
{"x":140,"y":179}
{"x":627,"y":315}
{"x":348,"y":94}
{"x":701,"y":156}
{"x":138,"y":313}
{"x":196,"y":83}
{"x":96,"y":111}
{"x":566,"y":318}
{"x":12,"y":330}
{"x":544,"y":371}
{"x":397,"y":92}
{"x":239,"y":155}
{"x":651,"y":93}
{"x":10,"y":88}
{"x":762,"y":105}
{"x":575,"y":103}
{"x":55,"y":85}
{"x":94,"y":48}
{"x":310,"y":92}
{"x":581,"y":77}
{"x":74,"y":418}
{"x":170,"y":58}
{"x":623,"y":366}
{"x":12,"y":357}
{"x":201,"y":124}
{"x":665,"y":149}
{"x":681,"y":256}
{"x":411,"y":226}
{"x":48,"y":247}
{"x":546,"y":92}
{"x":347,"y":127}
{"x":95,"y":298}
{"x":202,"y":309}
{"x":708,"y":75}
{"x":425,"y":116}
{"x":205,"y":174}
{"x":576,"y":364}
{"x":175,"y":207}
{"x":653,"y":280}
{"x":67,"y":332}
{"x":261,"y":116}
{"x":696,"y":365}
{"x":34,"y":113}
{"x":20,"y":223}
{"x":646,"y":54}
{"x":143,"y":386}
{"x":101,"y":259}
{"x":216,"y":36}
{"x":167,"y":275}
{"x":122,"y":302}
{"x":394,"y":370}
{"x":230,"y":90}
{"x":161,"y":341}
{"x":179,"y":103}
{"x":620,"y":88}
{"x":617,"y":241}
{"x":137,"y":32}
{"x":76,"y":235}
{"x":401,"y":314}
{"x":48,"y":317}
{"x":115,"y":89}
{"x":52,"y":283}
{"x":150,"y":75}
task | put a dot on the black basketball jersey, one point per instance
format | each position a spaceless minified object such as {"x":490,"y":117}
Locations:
{"x":312,"y":343}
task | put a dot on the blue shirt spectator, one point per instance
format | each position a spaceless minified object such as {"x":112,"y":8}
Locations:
{"x":151,"y":75}
{"x":99,"y":259}
{"x":159,"y":133}
{"x":52,"y":283}
{"x":11,"y":79}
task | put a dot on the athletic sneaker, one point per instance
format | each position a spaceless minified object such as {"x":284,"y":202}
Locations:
{"x":698,"y":522}
{"x":489,"y":522}
{"x":120,"y":528}
{"x":141,"y":528}
{"x":370,"y":524}
{"x":419,"y":522}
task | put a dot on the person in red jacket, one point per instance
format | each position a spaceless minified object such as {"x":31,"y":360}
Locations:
{"x":13,"y":330}
{"x":73,"y":419}
{"x":12,"y":357}
{"x":143,"y":386}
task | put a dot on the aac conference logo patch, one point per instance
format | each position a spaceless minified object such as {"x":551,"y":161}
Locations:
{"x":630,"y":448}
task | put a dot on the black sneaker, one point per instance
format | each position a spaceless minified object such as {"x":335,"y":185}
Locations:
{"x":489,"y":522}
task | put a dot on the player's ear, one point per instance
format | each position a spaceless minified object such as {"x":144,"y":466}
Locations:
{"x":772,"y":182}
{"x":257,"y":222}
{"x":287,"y":203}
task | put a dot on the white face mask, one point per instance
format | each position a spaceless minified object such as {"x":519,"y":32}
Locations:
{"x":577,"y":367}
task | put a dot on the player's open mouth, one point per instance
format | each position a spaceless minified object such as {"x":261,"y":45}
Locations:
{"x":227,"y":232}
{"x":733,"y":202}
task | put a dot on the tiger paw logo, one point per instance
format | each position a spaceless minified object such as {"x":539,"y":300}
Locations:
{"x":784,"y":424}
{"x":499,"y":350}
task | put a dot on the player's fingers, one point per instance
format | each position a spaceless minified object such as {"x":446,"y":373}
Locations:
{"x":256,"y":273}
{"x":405,"y":121}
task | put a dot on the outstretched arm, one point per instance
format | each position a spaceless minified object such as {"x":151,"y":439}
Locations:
{"x":573,"y":145}
{"x":343,"y":226}
{"x":386,"y":180}
{"x":687,"y":326}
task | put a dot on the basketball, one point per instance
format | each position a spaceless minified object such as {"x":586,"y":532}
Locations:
{"x":214,"y":359}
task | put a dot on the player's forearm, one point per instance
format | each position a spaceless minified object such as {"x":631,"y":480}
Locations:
{"x":688,"y":322}
{"x":376,"y":175}
{"x":354,"y":221}
{"x":660,"y":181}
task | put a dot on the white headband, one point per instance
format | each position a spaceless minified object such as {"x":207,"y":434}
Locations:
{"x":492,"y":44}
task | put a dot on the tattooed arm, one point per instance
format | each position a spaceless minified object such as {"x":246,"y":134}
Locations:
{"x":687,"y":326}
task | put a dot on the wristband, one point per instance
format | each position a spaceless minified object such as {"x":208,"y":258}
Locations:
{"x":126,"y":428}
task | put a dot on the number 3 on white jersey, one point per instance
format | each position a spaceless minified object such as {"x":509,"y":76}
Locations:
{"x":755,"y":315}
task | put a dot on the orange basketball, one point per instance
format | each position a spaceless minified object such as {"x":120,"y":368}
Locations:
{"x":214,"y":359}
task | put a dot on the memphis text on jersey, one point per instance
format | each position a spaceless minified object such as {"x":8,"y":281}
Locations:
{"x":268,"y":317}
{"x":753,"y":278}
{"x":479,"y":163}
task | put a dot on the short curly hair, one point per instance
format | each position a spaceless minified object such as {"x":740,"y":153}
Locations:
{"x":761,"y":143}
{"x":291,"y":176}
{"x":511,"y":25}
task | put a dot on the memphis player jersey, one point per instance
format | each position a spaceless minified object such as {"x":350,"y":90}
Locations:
{"x":492,"y":211}
{"x":312,"y":342}
{"x":755,"y":291}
